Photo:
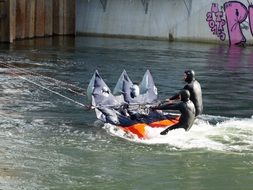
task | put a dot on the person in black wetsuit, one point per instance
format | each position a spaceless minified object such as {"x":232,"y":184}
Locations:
{"x":195,"y":91}
{"x":185,"y":106}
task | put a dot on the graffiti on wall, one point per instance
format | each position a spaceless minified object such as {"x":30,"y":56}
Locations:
{"x":237,"y":17}
{"x":216,"y":21}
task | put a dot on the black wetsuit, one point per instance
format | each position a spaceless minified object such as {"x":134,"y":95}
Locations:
{"x":196,"y":95}
{"x":187,"y":117}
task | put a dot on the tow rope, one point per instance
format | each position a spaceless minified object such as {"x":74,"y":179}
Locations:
{"x":69,"y":86}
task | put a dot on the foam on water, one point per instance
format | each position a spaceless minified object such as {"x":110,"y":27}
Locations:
{"x":208,"y":132}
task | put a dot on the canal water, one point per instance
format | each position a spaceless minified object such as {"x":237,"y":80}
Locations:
{"x":50,"y":142}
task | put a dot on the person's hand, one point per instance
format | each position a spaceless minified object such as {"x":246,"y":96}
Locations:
{"x":89,"y":107}
{"x":168,"y":101}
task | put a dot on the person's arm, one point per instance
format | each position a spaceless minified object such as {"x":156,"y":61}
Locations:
{"x":188,"y":87}
{"x":175,"y":97}
{"x":166,"y":106}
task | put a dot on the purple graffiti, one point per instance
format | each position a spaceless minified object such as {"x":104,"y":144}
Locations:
{"x":217,"y":25}
{"x":236,"y":13}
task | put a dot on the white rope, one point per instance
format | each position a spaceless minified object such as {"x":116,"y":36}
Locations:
{"x":45,"y":88}
{"x":50,"y":78}
{"x":57,"y":93}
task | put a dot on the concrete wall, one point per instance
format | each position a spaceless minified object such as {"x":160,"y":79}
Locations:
{"x":187,"y":20}
{"x":165,"y":19}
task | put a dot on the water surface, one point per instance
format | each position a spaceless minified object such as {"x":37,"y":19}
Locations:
{"x":48,"y":142}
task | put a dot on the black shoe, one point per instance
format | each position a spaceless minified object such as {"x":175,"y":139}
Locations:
{"x":164,"y":132}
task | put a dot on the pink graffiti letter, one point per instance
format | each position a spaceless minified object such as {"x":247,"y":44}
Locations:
{"x":236,"y":13}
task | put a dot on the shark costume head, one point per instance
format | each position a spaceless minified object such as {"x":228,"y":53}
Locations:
{"x":135,"y":91}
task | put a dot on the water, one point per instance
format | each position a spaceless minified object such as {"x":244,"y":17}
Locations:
{"x":48,"y":142}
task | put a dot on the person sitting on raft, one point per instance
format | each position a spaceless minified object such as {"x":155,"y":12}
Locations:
{"x":185,"y":106}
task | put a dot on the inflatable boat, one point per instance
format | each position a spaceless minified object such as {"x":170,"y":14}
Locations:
{"x":131,"y":114}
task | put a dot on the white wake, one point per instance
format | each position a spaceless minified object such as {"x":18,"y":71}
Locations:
{"x":208,"y":132}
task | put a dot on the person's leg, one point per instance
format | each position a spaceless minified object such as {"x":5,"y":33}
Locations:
{"x":176,"y":126}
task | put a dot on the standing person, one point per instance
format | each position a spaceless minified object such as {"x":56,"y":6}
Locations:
{"x":195,"y":91}
{"x":185,"y":106}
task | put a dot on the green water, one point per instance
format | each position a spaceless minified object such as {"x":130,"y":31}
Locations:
{"x":48,"y":142}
